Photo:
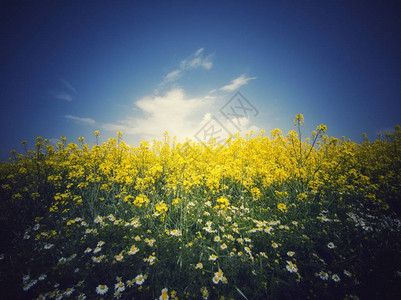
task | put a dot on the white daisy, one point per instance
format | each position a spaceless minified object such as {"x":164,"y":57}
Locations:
{"x":139,"y":279}
{"x":164,"y":295}
{"x":102,"y":289}
{"x":335,"y":277}
{"x":323,"y":275}
{"x":119,"y":286}
{"x":330,"y":245}
{"x":291,"y":267}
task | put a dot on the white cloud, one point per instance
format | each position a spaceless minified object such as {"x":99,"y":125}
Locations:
{"x":207,"y":116}
{"x":173,"y":112}
{"x":80,"y":120}
{"x":178,"y":114}
{"x":194,"y":61}
{"x":236,"y":83}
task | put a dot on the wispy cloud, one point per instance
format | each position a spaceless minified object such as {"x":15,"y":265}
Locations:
{"x":69,"y":86}
{"x":61,"y":95}
{"x":194,"y":61}
{"x":173,"y":75}
{"x":79,"y":120}
{"x":236,"y":83}
{"x":67,"y":93}
{"x":197,"y":60}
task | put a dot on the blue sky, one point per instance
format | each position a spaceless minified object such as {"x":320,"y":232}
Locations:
{"x":71,"y":67}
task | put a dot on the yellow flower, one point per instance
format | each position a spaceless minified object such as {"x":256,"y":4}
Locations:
{"x":282,"y":207}
{"x":161,"y":207}
{"x":322,"y":128}
{"x":256,"y":193}
{"x":176,"y":201}
{"x":141,"y":200}
{"x":299,"y":120}
{"x":127,"y":199}
{"x":302,"y":196}
{"x":222,"y":204}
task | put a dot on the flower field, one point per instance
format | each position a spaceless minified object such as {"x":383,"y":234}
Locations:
{"x":265,"y":216}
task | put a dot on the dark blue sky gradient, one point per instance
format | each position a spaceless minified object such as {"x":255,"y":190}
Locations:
{"x":337,"y":62}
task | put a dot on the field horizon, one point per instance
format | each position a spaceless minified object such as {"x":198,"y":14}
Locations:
{"x":256,"y":217}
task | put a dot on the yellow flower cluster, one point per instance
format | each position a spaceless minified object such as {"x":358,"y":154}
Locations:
{"x":141,"y":200}
{"x":282,"y":207}
{"x":222,"y":204}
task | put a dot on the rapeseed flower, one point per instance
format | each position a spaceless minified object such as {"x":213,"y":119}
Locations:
{"x":141,"y":200}
{"x":232,"y":201}
{"x":282,"y":207}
